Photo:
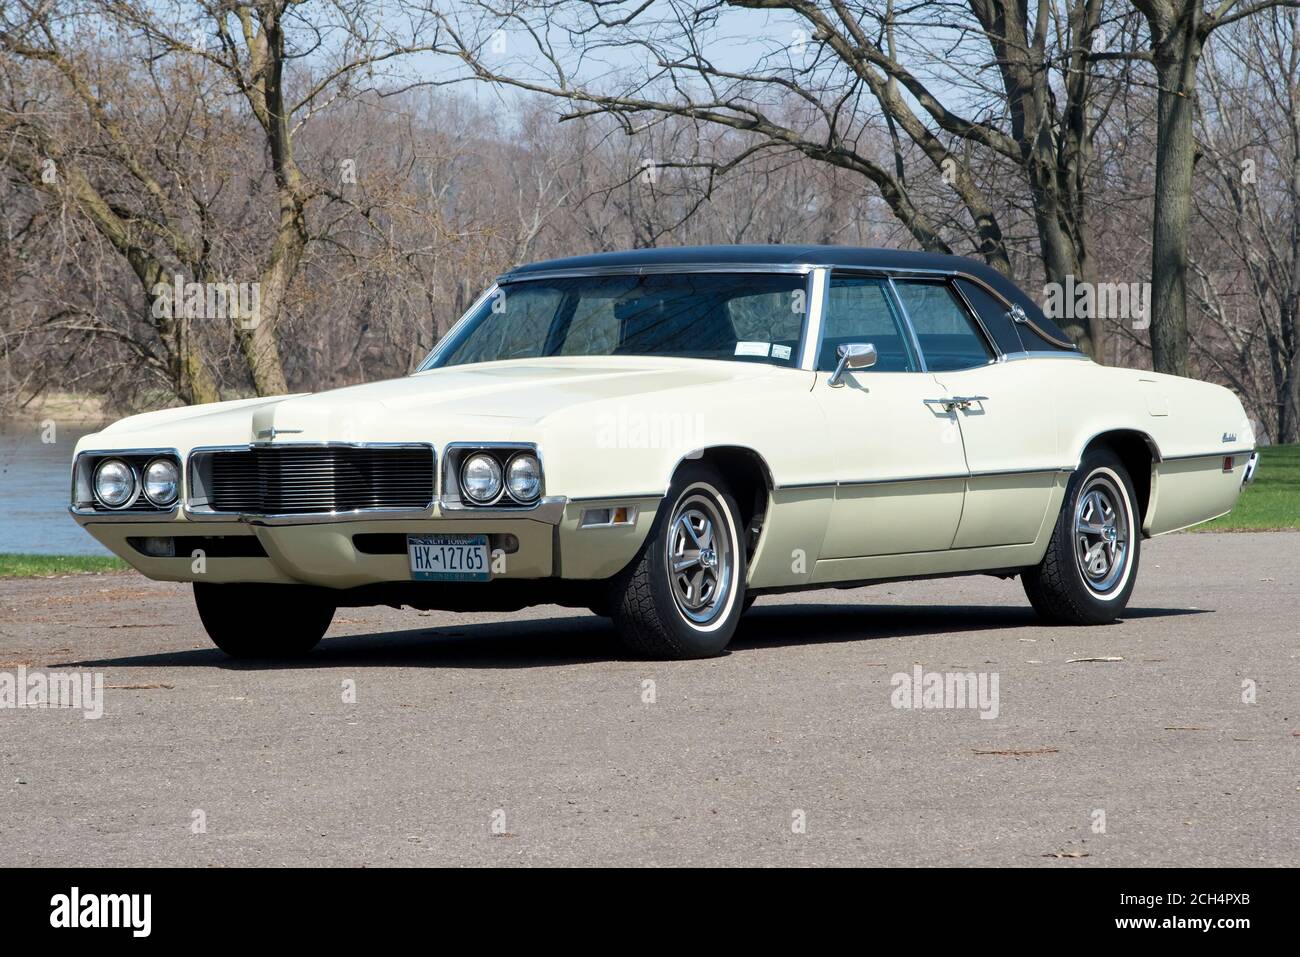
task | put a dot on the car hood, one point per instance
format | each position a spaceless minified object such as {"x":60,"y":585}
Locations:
{"x":496,"y":401}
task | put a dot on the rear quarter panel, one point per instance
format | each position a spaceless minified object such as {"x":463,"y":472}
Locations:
{"x":1192,"y":426}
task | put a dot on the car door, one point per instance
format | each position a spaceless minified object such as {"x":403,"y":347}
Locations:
{"x":898,"y":463}
{"x":1006,"y":412}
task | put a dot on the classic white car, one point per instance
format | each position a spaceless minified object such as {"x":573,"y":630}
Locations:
{"x":662,"y":435}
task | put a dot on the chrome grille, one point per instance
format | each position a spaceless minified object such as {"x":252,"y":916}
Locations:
{"x":289,"y":480}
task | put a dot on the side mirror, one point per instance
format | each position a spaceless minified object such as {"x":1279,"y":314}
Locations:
{"x":853,"y":355}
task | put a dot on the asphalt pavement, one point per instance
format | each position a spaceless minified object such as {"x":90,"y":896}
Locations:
{"x":409,"y":738}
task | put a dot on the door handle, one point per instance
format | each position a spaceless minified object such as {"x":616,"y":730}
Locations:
{"x":947,"y":403}
{"x":963,"y":402}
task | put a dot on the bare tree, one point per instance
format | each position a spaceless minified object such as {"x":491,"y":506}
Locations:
{"x":251,"y":46}
{"x":1179,"y":30}
{"x":1250,"y":138}
{"x":845,"y":84}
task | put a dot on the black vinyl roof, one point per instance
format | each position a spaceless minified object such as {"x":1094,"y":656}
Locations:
{"x":861,"y":257}
{"x":760,"y":254}
{"x":776,"y":255}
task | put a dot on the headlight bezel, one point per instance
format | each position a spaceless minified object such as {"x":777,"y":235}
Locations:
{"x":456,"y":455}
{"x":87,"y":504}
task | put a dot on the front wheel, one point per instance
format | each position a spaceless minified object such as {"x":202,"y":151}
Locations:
{"x":683,"y":594}
{"x":1091,"y":564}
{"x":263,"y":621}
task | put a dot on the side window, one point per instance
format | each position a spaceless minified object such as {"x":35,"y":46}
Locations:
{"x":858,"y":310}
{"x":948,"y":335}
{"x":994,"y":315}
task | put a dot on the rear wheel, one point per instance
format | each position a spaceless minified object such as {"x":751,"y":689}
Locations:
{"x":683,"y":594}
{"x":1088,"y":572}
{"x":263,"y":621}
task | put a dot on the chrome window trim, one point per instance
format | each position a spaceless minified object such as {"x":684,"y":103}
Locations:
{"x":962,"y":305}
{"x":907,"y":324}
{"x":1066,"y":345}
{"x":653,"y":269}
{"x":813,"y":320}
{"x":952,"y":274}
{"x":808,"y":269}
{"x":1038,"y":354}
{"x":122,"y":514}
{"x":819,"y":282}
{"x":965,"y":303}
{"x":892,"y":302}
{"x":202,"y":514}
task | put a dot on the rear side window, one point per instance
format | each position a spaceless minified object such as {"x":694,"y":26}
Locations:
{"x":993,"y":313}
{"x":948,"y":335}
{"x":859,"y":310}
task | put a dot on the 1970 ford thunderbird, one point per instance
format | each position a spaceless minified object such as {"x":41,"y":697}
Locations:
{"x":660,"y":436}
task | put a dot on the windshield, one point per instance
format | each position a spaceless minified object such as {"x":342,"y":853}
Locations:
{"x":744,"y":317}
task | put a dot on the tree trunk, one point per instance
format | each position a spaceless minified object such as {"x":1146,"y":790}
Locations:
{"x":262,"y":356}
{"x":1284,"y":357}
{"x":1288,"y":413}
{"x":1177,"y":56}
{"x":194,"y":383}
{"x":258,"y":343}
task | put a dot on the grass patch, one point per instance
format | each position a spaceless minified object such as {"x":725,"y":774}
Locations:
{"x":46,"y":566}
{"x":1272,"y":501}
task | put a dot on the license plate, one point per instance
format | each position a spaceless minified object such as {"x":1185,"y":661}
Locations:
{"x":449,"y":558}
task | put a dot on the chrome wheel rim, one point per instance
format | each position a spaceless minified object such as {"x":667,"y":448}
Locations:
{"x":1101,"y":534}
{"x":699,"y":559}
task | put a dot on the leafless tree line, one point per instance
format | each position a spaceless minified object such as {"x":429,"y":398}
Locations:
{"x":371,"y":165}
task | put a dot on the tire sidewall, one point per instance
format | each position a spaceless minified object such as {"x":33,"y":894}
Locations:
{"x":1107,"y":464}
{"x":712,"y":638}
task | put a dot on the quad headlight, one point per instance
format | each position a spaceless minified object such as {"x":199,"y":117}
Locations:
{"x":162,"y":481}
{"x":506,"y":476}
{"x":480,"y":478}
{"x":114,"y":483}
{"x":524,"y":477}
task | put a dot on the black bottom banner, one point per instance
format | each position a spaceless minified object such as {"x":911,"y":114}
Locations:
{"x":264,"y":906}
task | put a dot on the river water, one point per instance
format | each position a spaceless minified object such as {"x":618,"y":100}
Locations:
{"x":34,"y":483}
